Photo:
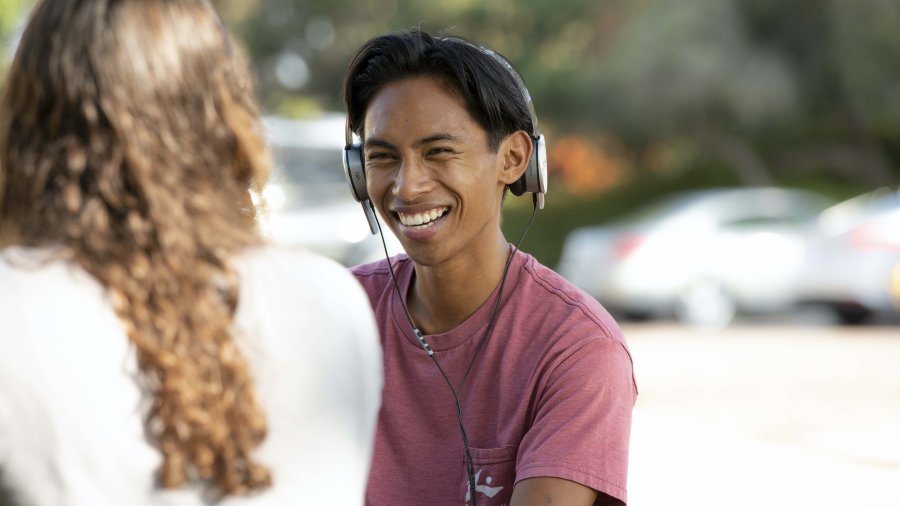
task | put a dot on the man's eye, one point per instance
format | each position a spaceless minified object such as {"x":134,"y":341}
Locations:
{"x":440,"y":151}
{"x":377,"y":156}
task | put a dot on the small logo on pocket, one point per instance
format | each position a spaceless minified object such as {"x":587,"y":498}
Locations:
{"x":484,"y":489}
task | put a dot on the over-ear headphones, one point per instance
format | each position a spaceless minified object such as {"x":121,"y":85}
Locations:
{"x":355,"y":171}
{"x":534,"y":179}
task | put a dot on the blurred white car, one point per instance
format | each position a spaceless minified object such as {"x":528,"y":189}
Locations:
{"x":700,"y":256}
{"x":307,"y":202}
{"x":854,"y":260}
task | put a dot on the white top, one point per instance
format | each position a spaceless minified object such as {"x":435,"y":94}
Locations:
{"x":71,"y":428}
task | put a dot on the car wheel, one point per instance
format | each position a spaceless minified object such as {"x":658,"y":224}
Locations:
{"x":636,"y":315}
{"x":705,"y":303}
{"x":851,"y":314}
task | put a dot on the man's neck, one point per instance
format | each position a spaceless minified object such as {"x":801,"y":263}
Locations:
{"x":441,"y":297}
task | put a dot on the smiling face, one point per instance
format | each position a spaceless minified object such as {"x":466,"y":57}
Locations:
{"x":431,"y":172}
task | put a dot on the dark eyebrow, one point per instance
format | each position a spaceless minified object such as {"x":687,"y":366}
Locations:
{"x":438,"y":137}
{"x":375,"y":142}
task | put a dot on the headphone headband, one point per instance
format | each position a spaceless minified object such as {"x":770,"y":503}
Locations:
{"x":535,"y":131}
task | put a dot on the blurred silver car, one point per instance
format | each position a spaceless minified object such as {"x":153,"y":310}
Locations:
{"x":307,"y":202}
{"x":854,"y":259}
{"x":700,"y":257}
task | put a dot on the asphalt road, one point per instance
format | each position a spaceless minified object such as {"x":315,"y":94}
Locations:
{"x":777,"y":414}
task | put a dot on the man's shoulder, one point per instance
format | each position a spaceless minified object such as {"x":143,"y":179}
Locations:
{"x":561,"y":301}
{"x":577,"y":327}
{"x":376,"y":277}
{"x":380,"y":268}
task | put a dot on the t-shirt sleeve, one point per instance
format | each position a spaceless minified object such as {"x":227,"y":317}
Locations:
{"x":582,"y":420}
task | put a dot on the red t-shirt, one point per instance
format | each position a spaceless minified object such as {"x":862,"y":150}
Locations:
{"x":550,"y":393}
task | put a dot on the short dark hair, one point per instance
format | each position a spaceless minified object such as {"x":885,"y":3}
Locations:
{"x":486,"y":81}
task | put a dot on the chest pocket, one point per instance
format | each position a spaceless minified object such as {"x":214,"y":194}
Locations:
{"x":495,"y":475}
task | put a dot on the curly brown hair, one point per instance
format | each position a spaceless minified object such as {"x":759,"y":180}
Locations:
{"x":130,"y":140}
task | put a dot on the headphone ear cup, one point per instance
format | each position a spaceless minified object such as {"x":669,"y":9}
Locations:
{"x":534,"y":179}
{"x":355,"y":172}
{"x":537,"y":170}
{"x":517,"y":187}
{"x":356,"y":177}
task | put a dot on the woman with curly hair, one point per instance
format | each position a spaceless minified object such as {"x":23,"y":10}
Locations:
{"x":153,"y":350}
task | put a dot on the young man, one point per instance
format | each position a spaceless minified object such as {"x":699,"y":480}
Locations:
{"x":543,"y":376}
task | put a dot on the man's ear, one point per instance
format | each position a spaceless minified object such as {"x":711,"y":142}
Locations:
{"x":514,"y":154}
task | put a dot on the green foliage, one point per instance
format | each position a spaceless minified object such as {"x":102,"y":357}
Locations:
{"x":695,"y":93}
{"x":12,"y":16}
{"x":750,"y":82}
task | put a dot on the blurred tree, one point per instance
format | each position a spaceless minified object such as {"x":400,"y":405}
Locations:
{"x":769,"y":87}
{"x":637,"y":97}
{"x":690,"y":68}
{"x":846,"y":62}
{"x":12,"y":17}
{"x":766,"y":88}
{"x":301,"y":48}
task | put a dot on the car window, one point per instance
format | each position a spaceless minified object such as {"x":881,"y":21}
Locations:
{"x":307,"y":177}
{"x":664,"y":208}
{"x":309,"y":166}
{"x":763,"y":221}
{"x":845,"y":215}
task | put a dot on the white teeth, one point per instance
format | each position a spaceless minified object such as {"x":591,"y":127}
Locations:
{"x":411,"y":220}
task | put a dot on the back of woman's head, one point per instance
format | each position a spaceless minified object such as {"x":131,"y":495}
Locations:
{"x":129,"y":139}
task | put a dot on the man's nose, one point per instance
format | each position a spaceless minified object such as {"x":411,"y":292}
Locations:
{"x":412,"y":179}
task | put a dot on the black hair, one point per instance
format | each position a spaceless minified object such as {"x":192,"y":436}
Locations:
{"x":492,"y":90}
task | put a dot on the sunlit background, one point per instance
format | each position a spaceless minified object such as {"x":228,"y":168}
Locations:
{"x":723,"y":176}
